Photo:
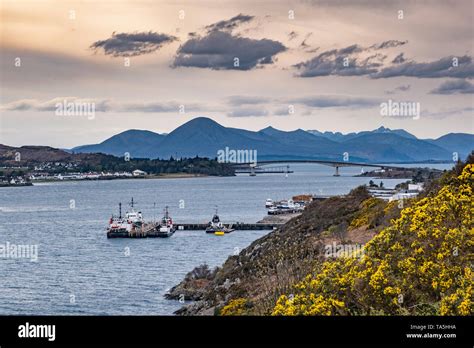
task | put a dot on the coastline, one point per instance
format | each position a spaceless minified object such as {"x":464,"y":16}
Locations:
{"x":147,"y":177}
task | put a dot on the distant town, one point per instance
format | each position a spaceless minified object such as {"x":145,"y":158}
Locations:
{"x":42,"y":174}
{"x":21,"y":166}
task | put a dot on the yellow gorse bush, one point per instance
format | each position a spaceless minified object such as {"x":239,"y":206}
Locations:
{"x":418,"y":265}
{"x":235,"y":307}
{"x":367,"y":213}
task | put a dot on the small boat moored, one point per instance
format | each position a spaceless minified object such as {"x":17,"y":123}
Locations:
{"x":166,"y":228}
{"x":217,"y":227}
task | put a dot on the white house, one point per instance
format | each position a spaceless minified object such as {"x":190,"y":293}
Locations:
{"x":138,"y":172}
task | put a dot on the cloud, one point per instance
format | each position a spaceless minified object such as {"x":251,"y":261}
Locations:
{"x":454,"y":87}
{"x":51,"y":105}
{"x":293,"y":34}
{"x":100,"y":105}
{"x":399,"y":59}
{"x":134,"y":44}
{"x":236,"y":100}
{"x":338,"y":62}
{"x":350,"y":61}
{"x":388,"y":44}
{"x":304,"y":45}
{"x":445,"y":113}
{"x":337,"y":101}
{"x":19,"y":105}
{"x":444,"y":67}
{"x":229,"y":24}
{"x":255,"y":106}
{"x":248,"y":112}
{"x":281,"y":111}
{"x":148,"y":107}
{"x":220,"y":50}
{"x":402,"y":88}
{"x":286,"y":111}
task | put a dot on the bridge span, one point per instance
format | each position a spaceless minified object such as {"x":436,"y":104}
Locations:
{"x":256,"y":167}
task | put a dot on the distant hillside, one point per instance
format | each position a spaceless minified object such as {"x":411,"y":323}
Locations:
{"x":391,"y":147}
{"x":338,"y":136}
{"x":461,"y":143}
{"x":204,"y":137}
{"x":56,"y":161}
{"x":31,"y":155}
{"x":136,"y":142}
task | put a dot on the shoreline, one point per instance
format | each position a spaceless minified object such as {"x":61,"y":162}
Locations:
{"x":148,"y":177}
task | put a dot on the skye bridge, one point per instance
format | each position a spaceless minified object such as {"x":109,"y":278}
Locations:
{"x":254,"y":168}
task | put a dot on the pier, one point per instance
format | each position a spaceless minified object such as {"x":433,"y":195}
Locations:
{"x":149,"y":230}
{"x":236,"y":226}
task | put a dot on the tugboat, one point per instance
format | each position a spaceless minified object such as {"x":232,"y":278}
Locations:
{"x":216,"y":226}
{"x":166,"y":228}
{"x":124,"y":226}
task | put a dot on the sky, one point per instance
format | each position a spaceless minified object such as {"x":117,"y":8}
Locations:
{"x":154,"y":65}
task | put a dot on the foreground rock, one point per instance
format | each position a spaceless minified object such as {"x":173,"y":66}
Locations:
{"x":193,"y":286}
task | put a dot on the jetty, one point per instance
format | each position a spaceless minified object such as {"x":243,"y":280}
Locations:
{"x":238,"y":226}
{"x":149,"y":230}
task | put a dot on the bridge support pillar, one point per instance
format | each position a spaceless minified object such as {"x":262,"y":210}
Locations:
{"x":337,"y":171}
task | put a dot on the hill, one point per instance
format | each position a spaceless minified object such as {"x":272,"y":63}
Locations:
{"x":135,"y":142}
{"x":393,"y":148}
{"x":45,"y":159}
{"x":204,"y":137}
{"x":338,"y":136}
{"x":461,"y":143}
{"x":30,"y":155}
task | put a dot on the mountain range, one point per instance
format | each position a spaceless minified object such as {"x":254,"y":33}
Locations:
{"x":204,"y":137}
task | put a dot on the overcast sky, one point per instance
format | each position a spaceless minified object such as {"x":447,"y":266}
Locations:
{"x":325,"y":65}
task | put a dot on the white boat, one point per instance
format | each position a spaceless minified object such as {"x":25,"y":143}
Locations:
{"x":273,"y":211}
{"x":269,"y":203}
{"x":166,"y":228}
{"x":286,"y":204}
{"x":123,"y":225}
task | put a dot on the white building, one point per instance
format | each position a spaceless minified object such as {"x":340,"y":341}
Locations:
{"x":138,"y":172}
{"x":415,"y":187}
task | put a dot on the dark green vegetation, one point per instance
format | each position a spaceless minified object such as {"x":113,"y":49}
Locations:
{"x":22,"y":160}
{"x":416,"y":175}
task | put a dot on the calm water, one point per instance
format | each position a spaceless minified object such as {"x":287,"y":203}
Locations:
{"x":80,"y":271}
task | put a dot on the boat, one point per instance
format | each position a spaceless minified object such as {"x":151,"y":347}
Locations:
{"x":165,"y":228}
{"x":215,"y":226}
{"x":121,"y":226}
{"x":286,"y":205}
{"x":269,"y":203}
{"x":273,"y":211}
